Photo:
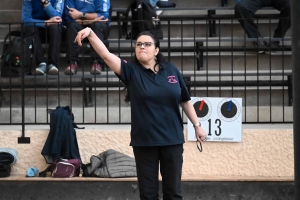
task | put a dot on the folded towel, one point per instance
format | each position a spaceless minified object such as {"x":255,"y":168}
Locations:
{"x":32,"y":171}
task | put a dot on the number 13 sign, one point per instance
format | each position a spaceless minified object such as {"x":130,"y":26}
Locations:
{"x":221,"y":118}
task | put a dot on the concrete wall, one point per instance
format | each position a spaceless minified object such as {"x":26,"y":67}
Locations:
{"x":263,"y":152}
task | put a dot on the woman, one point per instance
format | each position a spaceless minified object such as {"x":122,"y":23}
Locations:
{"x":156,"y":90}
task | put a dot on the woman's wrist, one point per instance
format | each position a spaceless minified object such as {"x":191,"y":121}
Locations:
{"x":197,"y":125}
{"x":90,"y":32}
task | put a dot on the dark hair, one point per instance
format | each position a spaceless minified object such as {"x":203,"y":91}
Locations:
{"x":159,"y":57}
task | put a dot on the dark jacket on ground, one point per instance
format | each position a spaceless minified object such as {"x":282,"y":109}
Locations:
{"x":61,"y":141}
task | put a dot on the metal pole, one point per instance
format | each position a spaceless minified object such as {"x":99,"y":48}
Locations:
{"x":296,"y":90}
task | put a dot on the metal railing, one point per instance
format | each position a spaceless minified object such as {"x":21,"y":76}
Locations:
{"x":227,"y":65}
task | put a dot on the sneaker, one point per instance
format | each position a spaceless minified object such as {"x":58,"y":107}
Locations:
{"x":260,"y":45}
{"x":71,"y":69}
{"x":96,"y":68}
{"x":52,"y":69}
{"x":158,"y":12}
{"x":41,"y":69}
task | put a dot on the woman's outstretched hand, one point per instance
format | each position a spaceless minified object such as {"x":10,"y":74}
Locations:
{"x":82,"y":34}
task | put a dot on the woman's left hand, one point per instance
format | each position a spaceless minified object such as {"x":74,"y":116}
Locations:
{"x":200,"y":134}
{"x":82,"y":34}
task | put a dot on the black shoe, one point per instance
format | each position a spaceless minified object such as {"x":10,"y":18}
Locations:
{"x":260,"y":46}
{"x":274,"y":46}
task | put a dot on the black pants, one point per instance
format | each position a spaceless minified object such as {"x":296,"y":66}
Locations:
{"x":148,"y":160}
{"x":245,"y":10}
{"x":100,"y":29}
{"x":51,"y":35}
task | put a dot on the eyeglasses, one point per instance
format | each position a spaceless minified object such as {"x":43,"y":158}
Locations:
{"x":145,"y":44}
{"x":199,"y":145}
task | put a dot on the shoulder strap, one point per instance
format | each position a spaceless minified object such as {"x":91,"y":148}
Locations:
{"x":8,"y":35}
{"x":12,"y":33}
{"x":72,"y":117}
{"x":44,"y":173}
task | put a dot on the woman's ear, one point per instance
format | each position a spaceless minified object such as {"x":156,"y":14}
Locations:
{"x":156,"y":51}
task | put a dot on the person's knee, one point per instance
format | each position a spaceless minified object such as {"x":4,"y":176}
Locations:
{"x":74,"y":27}
{"x":98,"y":25}
{"x":100,"y":29}
{"x":238,"y":8}
{"x":286,"y":10}
{"x":55,"y":29}
{"x":30,"y":30}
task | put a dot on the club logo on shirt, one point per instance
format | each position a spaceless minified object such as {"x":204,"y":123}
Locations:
{"x":88,"y":1}
{"x":172,"y":79}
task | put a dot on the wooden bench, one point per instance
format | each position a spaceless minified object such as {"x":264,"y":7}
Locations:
{"x":202,"y":46}
{"x":83,"y":80}
{"x":208,"y":13}
{"x":199,"y":46}
{"x":274,"y":78}
{"x":108,"y":79}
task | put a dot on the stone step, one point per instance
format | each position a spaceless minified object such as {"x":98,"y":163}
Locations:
{"x":11,"y":4}
{"x":69,"y":189}
{"x":10,"y":15}
{"x":211,"y":61}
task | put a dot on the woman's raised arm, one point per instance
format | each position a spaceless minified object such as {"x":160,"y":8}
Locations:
{"x":113,"y":61}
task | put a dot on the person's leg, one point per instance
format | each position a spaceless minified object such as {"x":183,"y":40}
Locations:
{"x":101,"y":30}
{"x":171,"y":168}
{"x":147,"y":161}
{"x":38,"y":52}
{"x":284,"y":23}
{"x":54,"y":39}
{"x":73,"y":48}
{"x":244,"y":11}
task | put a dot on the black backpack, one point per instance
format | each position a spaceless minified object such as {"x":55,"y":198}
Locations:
{"x":144,"y":18}
{"x":12,"y":57}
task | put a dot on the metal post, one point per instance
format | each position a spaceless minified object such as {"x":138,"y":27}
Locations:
{"x":23,"y":139}
{"x":296,"y":90}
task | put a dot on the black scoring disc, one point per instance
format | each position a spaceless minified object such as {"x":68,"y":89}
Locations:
{"x":228,"y":113}
{"x":203,"y":112}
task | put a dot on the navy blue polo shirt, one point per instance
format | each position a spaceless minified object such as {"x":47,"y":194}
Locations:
{"x":155,"y":101}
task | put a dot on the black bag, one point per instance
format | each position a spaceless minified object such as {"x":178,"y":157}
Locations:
{"x":64,"y":168}
{"x":144,"y":18}
{"x":6,"y":158}
{"x":12,"y":57}
{"x":5,"y":170}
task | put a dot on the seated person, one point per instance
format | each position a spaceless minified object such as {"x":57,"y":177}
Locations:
{"x":42,"y":18}
{"x":245,"y":10}
{"x":80,"y":14}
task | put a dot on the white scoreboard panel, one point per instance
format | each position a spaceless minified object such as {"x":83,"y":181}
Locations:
{"x":221,"y":118}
